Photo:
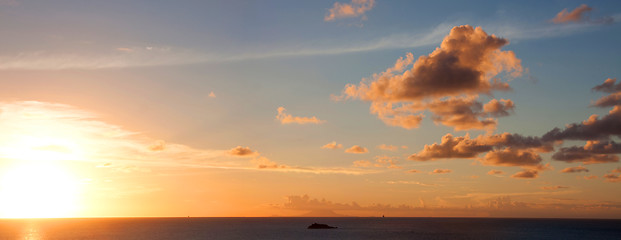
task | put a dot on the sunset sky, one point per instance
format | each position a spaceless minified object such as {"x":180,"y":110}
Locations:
{"x":310,"y":108}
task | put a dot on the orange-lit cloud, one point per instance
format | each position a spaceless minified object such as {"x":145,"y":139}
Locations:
{"x":446,"y":82}
{"x":520,"y":149}
{"x":495,"y":172}
{"x":240,"y":151}
{"x":332,"y":145}
{"x":412,"y":171}
{"x":363,"y":163}
{"x":390,"y":147}
{"x":575,"y":169}
{"x":527,"y":173}
{"x":357,"y":149}
{"x":349,"y":10}
{"x":616,"y":170}
{"x":386,"y":161}
{"x":440,"y":171}
{"x":212,"y":94}
{"x":575,"y":15}
{"x":611,"y":177}
{"x":288,"y":119}
{"x":590,"y":177}
{"x":49,"y":131}
{"x":512,"y":157}
{"x":492,"y":205}
{"x":553,"y":187}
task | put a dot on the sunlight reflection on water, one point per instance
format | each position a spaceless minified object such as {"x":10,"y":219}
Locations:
{"x":31,"y":232}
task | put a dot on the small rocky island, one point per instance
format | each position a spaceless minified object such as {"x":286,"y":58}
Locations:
{"x":320,"y":226}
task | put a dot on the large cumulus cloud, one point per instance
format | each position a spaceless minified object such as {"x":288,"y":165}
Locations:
{"x":447,"y":82}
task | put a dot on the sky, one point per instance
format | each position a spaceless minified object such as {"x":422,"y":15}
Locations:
{"x":310,"y":108}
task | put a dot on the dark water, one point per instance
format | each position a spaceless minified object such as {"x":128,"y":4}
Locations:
{"x":295,"y":228}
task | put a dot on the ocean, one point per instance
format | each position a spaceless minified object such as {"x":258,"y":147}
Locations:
{"x":295,"y":228}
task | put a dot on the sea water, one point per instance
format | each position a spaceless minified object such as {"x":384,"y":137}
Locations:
{"x":296,"y":228}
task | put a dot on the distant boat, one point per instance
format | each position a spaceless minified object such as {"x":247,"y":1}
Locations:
{"x":320,"y":226}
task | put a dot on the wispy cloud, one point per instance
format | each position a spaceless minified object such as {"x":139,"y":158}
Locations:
{"x":149,"y":56}
{"x":57,"y":132}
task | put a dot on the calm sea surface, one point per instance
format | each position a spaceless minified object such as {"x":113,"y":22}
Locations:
{"x":295,"y":228}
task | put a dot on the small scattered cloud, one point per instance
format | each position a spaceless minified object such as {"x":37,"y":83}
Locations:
{"x":240,"y":151}
{"x":616,"y":170}
{"x":411,"y":183}
{"x":575,"y":169}
{"x":357,"y":150}
{"x":527,"y":173}
{"x":212,"y":94}
{"x":332,"y":145}
{"x":611,"y":177}
{"x":356,"y":8}
{"x":285,"y":118}
{"x":389,"y":147}
{"x":553,"y":187}
{"x":590,"y":177}
{"x":575,"y":15}
{"x":495,"y":172}
{"x":158,"y":146}
{"x":412,"y":171}
{"x":386,"y":161}
{"x":363,"y":163}
{"x":441,"y":171}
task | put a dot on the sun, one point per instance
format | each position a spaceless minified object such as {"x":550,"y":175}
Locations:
{"x":38,"y":189}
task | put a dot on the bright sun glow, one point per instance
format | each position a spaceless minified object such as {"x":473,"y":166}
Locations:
{"x":37,"y":190}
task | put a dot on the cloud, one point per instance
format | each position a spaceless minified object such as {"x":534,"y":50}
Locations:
{"x":446,"y":82}
{"x":592,"y":152}
{"x":502,"y":149}
{"x":389,"y":147}
{"x":611,"y":177}
{"x":484,"y":205}
{"x":609,"y":86}
{"x":386,"y":161}
{"x":575,"y":15}
{"x":332,"y":145}
{"x":380,"y":162}
{"x":288,"y":119}
{"x":62,"y":132}
{"x":441,"y":171}
{"x":553,"y":187}
{"x":212,"y":95}
{"x":117,"y":58}
{"x":357,"y":149}
{"x":527,"y":173}
{"x":411,"y":183}
{"x":594,"y":128}
{"x":240,"y":151}
{"x":575,"y":169}
{"x":158,"y":146}
{"x":495,"y":172}
{"x":363,"y":163}
{"x":512,"y":157}
{"x":591,"y":177}
{"x":356,"y":8}
{"x":616,"y":170}
{"x":413,"y":171}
